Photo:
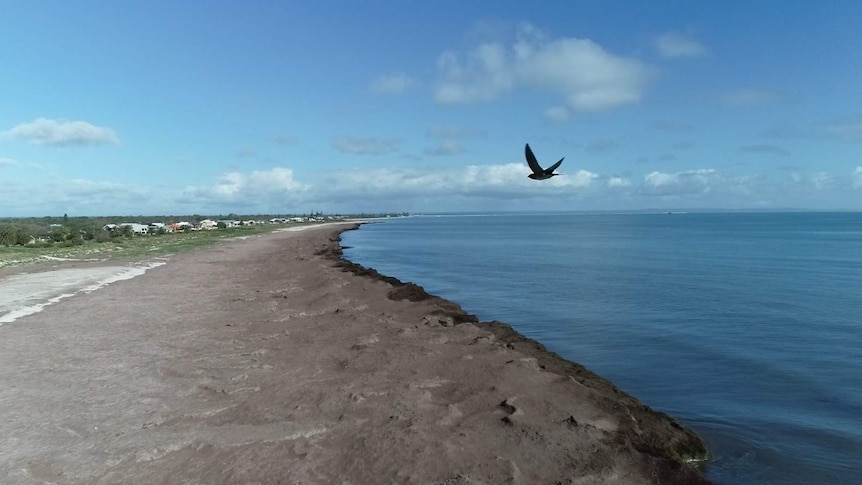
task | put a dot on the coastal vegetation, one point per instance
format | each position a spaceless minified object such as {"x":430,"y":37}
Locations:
{"x":26,"y":240}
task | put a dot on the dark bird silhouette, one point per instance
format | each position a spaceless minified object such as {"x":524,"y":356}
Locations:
{"x":540,"y":173}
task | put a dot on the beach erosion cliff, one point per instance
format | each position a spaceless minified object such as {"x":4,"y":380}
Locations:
{"x":650,"y":441}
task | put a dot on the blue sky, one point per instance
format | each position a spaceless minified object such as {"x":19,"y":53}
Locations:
{"x":166,"y":107}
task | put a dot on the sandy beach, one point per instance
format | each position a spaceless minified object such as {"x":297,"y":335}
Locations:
{"x":272,"y":360}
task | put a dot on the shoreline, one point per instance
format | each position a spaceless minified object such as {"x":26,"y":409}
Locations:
{"x":687,"y":449}
{"x":274,"y":358}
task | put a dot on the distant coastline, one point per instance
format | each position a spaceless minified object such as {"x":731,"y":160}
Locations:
{"x":640,"y":211}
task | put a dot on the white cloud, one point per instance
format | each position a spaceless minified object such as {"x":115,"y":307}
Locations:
{"x":365,"y":146}
{"x":557,"y":114}
{"x":845,"y":131}
{"x":816,"y":181}
{"x":503,"y":181}
{"x":277,"y":190}
{"x":342,"y":186}
{"x":45,"y":131}
{"x":812,"y":181}
{"x":8,"y":162}
{"x":674,"y":45}
{"x":618,"y":182}
{"x":680,"y":183}
{"x":279,"y":179}
{"x":822,"y":180}
{"x":258,"y":188}
{"x":580,"y":179}
{"x":485,"y":78}
{"x":507,"y":185}
{"x":587,"y":77}
{"x":78,"y":196}
{"x":395,"y":83}
{"x":751,"y":97}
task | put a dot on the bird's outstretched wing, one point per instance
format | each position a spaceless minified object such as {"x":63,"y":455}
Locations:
{"x":555,"y":166}
{"x":531,"y":160}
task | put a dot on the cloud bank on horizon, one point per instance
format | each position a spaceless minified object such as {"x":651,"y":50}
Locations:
{"x":652,"y":109}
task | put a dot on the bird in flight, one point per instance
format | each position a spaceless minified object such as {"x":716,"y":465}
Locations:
{"x":540,"y":173}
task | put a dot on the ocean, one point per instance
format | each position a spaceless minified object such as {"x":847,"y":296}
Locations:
{"x":746,"y":327}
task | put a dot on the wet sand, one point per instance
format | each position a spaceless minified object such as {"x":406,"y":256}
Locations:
{"x":271,"y":360}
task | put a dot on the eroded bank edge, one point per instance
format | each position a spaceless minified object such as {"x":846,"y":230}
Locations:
{"x":648,"y":431}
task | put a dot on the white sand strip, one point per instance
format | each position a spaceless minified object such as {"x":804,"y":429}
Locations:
{"x":28,"y":293}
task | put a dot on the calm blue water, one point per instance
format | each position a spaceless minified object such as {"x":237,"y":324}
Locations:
{"x":745,"y":326}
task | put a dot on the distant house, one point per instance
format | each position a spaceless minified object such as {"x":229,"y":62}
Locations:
{"x":228,"y":222}
{"x":207,"y":224}
{"x":156,"y":226}
{"x":179,"y":226}
{"x":109,"y":227}
{"x":139,"y":229}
